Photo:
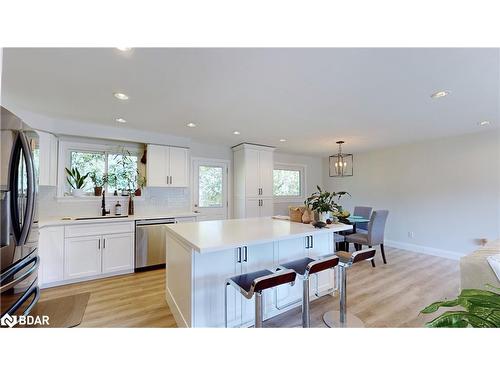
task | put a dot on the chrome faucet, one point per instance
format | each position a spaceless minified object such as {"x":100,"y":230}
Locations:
{"x":103,"y":205}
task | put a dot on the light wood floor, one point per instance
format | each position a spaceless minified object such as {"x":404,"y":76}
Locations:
{"x":386,"y":296}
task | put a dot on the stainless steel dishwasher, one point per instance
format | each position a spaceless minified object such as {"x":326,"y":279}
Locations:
{"x":150,"y":243}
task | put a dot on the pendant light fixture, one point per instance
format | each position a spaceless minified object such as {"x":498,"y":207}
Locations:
{"x":341,"y":164}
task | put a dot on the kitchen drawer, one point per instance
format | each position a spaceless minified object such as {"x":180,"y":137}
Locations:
{"x":79,"y":230}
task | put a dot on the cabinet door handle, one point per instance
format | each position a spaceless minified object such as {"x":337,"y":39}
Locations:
{"x":312,"y":242}
{"x":238,"y":257}
{"x":99,"y":245}
{"x":171,"y":178}
{"x":246,"y":254}
{"x":104,"y":243}
{"x":307,"y":242}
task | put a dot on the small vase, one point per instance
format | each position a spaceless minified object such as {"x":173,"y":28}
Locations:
{"x":306,"y":216}
{"x":130,"y":205}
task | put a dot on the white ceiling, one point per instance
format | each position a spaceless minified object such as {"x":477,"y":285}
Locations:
{"x":312,"y":97}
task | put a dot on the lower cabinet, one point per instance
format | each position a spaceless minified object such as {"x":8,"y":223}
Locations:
{"x":322,"y":282}
{"x":117,"y":252}
{"x":82,"y":257}
{"x":51,"y":252}
{"x":81,"y":252}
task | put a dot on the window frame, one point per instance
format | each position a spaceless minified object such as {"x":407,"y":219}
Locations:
{"x":302,"y":169}
{"x":66,"y":147}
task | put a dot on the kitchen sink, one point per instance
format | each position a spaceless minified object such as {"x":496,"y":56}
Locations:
{"x":101,"y":217}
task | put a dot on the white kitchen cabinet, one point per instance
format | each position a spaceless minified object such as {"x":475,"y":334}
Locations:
{"x":117,"y":252}
{"x":51,"y":252}
{"x":256,"y":258}
{"x":82,"y":257}
{"x":322,"y":282}
{"x":253,"y":180}
{"x":167,"y":166}
{"x":208,"y":269}
{"x":289,"y":250}
{"x":47,"y":159}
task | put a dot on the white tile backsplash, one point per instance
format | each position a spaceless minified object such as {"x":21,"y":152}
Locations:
{"x":152,"y":201}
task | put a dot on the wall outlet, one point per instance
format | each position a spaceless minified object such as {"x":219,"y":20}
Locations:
{"x":411,"y":234}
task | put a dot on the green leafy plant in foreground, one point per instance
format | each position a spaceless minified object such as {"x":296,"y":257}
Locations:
{"x":75,"y":179}
{"x":481,"y":309}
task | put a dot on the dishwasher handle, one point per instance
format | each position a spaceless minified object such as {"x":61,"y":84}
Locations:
{"x":155,"y":222}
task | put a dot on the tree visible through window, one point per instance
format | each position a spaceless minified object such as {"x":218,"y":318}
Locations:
{"x":121,"y":169}
{"x":286,"y":183}
{"x":210,"y":186}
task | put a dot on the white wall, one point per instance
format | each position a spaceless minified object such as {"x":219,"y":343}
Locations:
{"x":446,"y":191}
{"x":314,"y":176}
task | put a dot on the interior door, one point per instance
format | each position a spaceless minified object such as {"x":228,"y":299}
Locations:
{"x":210,"y":189}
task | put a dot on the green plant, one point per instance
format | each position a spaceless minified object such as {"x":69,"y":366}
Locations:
{"x":124,"y":169}
{"x":481,"y":308}
{"x":75,"y":179}
{"x":324,"y":201}
{"x":141,"y":181}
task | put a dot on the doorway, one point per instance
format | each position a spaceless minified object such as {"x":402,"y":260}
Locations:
{"x":210,"y":189}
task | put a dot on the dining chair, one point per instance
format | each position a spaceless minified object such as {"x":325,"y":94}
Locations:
{"x":374,"y":236}
{"x":365,"y":212}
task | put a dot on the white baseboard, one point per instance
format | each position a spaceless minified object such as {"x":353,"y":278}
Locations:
{"x":424,"y":249}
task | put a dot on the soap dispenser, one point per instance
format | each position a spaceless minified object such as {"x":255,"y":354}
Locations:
{"x":118,"y":209}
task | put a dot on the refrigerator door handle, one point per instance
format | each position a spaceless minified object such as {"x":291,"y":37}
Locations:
{"x":33,"y":290}
{"x":15,"y":269}
{"x":22,"y":148}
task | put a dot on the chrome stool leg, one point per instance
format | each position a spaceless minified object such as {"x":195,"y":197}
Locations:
{"x":225,"y":304}
{"x":306,"y":319}
{"x":259,"y":310}
{"x":342,"y":318}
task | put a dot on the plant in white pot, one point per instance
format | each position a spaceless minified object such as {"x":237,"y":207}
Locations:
{"x":76,"y":181}
{"x":323,"y":203}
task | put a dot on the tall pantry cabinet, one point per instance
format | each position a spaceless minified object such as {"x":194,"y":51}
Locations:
{"x":253,"y":180}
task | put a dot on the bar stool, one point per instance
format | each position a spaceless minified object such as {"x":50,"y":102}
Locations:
{"x":304,"y":268}
{"x":341,"y":318}
{"x":252,"y":283}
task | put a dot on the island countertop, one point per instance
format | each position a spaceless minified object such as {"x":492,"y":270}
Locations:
{"x":208,"y":236}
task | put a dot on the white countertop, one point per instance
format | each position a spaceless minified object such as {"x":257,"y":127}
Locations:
{"x":208,"y":236}
{"x":56,"y":221}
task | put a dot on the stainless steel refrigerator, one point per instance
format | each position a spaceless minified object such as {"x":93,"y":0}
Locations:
{"x":19,"y":260}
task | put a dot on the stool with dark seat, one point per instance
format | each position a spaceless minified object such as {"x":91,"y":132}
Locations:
{"x":252,"y":283}
{"x":340,"y":318}
{"x":304,"y":268}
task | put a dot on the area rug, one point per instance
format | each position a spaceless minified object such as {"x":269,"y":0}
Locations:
{"x":64,"y":312}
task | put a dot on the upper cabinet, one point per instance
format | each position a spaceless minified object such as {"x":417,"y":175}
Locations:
{"x":253,"y":178}
{"x":167,"y":166}
{"x":48,"y":159}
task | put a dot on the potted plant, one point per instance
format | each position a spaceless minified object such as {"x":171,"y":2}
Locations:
{"x":141,"y":182}
{"x":99,"y":182}
{"x":480,"y":308}
{"x":323,"y":202}
{"x":76,"y":181}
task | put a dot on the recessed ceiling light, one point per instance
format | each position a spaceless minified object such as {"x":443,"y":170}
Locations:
{"x":440,"y":94}
{"x":123,"y":49}
{"x":236,"y":132}
{"x":484,"y":123}
{"x":282,"y":140}
{"x":120,"y":120}
{"x":120,"y":95}
{"x":191,"y":125}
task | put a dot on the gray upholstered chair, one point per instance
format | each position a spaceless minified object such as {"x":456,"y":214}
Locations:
{"x":375,"y":234}
{"x":364,"y":212}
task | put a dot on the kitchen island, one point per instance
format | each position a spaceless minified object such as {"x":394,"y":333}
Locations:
{"x":202,"y":255}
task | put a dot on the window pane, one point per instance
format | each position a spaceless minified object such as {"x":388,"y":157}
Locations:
{"x":286,"y":183}
{"x":210,"y":186}
{"x":85,"y":162}
{"x":122,"y":171}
